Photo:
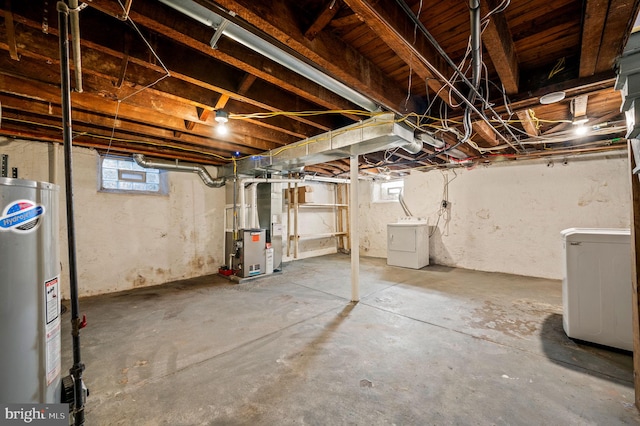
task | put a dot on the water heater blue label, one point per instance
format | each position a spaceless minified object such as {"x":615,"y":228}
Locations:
{"x":21,"y":216}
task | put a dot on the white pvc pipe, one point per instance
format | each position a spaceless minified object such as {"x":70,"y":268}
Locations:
{"x":325,"y":179}
{"x":53,"y":173}
{"x":355,"y":238}
{"x":253,"y":208}
{"x":243,"y":210}
{"x":253,"y":196}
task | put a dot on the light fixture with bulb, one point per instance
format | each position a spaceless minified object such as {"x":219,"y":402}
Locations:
{"x":579,"y":125}
{"x":580,"y":129}
{"x":222,"y":117}
{"x":579,"y":113}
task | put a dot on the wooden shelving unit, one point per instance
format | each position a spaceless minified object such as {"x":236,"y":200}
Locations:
{"x":340,"y":207}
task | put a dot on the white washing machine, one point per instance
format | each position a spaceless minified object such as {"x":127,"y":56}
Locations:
{"x":408,"y":243}
{"x":597,"y":288}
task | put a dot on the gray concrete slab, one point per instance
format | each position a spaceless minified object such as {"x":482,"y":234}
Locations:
{"x":434,"y":346}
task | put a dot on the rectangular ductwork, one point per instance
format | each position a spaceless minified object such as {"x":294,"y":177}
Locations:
{"x":374,"y":134}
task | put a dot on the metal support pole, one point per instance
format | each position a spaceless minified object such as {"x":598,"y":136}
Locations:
{"x":76,"y":324}
{"x":355,"y":239}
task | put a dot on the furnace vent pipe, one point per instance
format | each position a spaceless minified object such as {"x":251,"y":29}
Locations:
{"x":200,"y":170}
{"x":74,"y":11}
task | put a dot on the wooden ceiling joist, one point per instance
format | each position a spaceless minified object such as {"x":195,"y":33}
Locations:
{"x":105,"y":108}
{"x":191,"y":77}
{"x":398,"y":32}
{"x":331,"y":54}
{"x":498,"y":41}
{"x":326,"y":15}
{"x":152,"y":15}
{"x":527,"y":122}
{"x":11,"y":34}
{"x":595,"y":15}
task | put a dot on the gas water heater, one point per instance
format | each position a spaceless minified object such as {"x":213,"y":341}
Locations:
{"x":30,"y":292}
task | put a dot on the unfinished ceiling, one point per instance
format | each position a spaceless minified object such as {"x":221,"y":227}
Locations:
{"x":152,"y":82}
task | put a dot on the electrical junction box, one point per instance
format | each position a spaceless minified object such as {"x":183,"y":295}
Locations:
{"x":408,"y":243}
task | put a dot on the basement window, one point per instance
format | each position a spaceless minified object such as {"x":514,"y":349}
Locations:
{"x":123,"y":175}
{"x":387,"y":191}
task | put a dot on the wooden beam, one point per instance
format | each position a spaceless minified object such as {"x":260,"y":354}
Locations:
{"x":246,"y":83}
{"x":498,"y":41}
{"x":156,"y":124}
{"x":575,"y":87}
{"x":346,"y":21}
{"x":619,"y":22}
{"x":486,"y":133}
{"x":191,"y":76}
{"x":317,"y":168}
{"x":92,"y":123}
{"x":150,"y":14}
{"x":595,"y":15}
{"x":125,"y":61}
{"x":635,"y":269}
{"x":87,"y":142}
{"x":203,"y":113}
{"x":113,"y":8}
{"x":103,"y":136}
{"x":527,"y":123}
{"x":189,"y":125}
{"x":11,"y":33}
{"x":177,"y":97}
{"x":395,"y":28}
{"x":328,"y":52}
{"x":326,"y":15}
{"x":222,"y":102}
{"x":412,"y":159}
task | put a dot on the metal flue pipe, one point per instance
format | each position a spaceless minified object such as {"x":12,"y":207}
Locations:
{"x":142,"y":161}
{"x":419,"y":25}
{"x":78,"y":367}
{"x":75,"y":39}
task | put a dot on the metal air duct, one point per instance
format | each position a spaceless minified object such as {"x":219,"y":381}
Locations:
{"x":374,"y":134}
{"x":200,"y":170}
{"x":263,"y":47}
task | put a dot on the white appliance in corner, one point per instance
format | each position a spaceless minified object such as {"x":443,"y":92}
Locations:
{"x":408,"y":243}
{"x":597,"y":288}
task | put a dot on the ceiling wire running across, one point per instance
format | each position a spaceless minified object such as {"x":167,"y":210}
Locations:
{"x":153,"y":79}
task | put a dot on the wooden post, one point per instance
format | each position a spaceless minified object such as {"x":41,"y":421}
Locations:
{"x":288,"y":219}
{"x":295,"y":221}
{"x":635,"y":268}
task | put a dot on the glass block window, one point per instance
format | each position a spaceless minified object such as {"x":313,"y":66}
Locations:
{"x":122,"y":174}
{"x":386,"y":191}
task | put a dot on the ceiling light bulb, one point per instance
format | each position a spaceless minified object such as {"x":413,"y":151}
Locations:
{"x":222,"y":129}
{"x":581,"y":130}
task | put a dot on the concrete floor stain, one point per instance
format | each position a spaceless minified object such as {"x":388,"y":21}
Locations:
{"x":495,"y":317}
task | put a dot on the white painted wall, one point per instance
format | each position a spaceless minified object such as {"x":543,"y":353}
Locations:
{"x":506,"y":218}
{"x":126,"y":240}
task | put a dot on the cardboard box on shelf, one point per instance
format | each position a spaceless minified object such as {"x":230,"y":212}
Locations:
{"x":305,"y":194}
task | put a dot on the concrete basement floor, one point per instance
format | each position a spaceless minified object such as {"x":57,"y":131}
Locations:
{"x":435,"y":346}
